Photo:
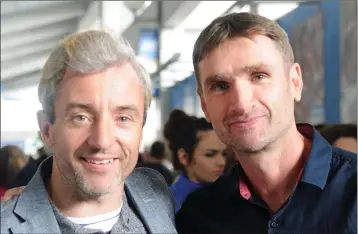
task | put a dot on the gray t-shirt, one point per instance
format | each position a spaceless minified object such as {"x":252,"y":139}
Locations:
{"x":128,"y":222}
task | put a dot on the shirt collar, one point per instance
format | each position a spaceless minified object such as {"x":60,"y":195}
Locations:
{"x":316,"y":168}
{"x":318,"y":164}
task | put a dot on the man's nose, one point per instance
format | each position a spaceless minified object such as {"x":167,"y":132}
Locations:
{"x":102,"y":134}
{"x":241,"y":96}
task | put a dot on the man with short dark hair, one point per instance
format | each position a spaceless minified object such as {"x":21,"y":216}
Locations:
{"x":288,"y":180}
{"x":154,"y":160}
{"x":157,"y":150}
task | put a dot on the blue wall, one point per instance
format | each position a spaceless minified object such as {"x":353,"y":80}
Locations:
{"x":183,"y":92}
{"x":331,"y":49}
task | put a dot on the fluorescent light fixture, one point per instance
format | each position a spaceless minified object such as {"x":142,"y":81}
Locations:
{"x":19,"y":108}
{"x":145,"y":5}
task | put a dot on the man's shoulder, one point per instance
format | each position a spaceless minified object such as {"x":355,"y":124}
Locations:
{"x":204,"y":205}
{"x":343,"y":159}
{"x":203,"y":198}
{"x":8,"y":206}
{"x":147,"y":174}
{"x":8,"y":217}
{"x":147,"y":181}
{"x":148,"y":191}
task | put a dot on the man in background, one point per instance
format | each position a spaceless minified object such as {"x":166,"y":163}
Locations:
{"x":155,"y":158}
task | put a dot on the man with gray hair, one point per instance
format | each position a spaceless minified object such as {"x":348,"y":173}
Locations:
{"x":95,"y":96}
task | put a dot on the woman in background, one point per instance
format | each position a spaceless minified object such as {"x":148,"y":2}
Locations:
{"x":12,"y":160}
{"x":197,"y":153}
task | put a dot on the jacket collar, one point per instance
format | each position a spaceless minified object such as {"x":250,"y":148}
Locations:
{"x":34,"y":207}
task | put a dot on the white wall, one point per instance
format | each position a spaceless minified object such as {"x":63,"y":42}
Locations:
{"x":152,"y":128}
{"x":19,"y":123}
{"x":91,"y":19}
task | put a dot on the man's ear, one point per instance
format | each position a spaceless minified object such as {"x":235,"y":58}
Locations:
{"x":203,"y":104}
{"x":296,"y":82}
{"x":45,"y":128}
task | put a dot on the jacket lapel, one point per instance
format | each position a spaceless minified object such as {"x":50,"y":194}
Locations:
{"x":151,"y":206}
{"x":43,"y":222}
{"x":34,"y":207}
{"x":128,"y":221}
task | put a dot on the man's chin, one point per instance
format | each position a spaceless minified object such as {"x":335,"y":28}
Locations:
{"x":90,"y":192}
{"x":248,"y":145}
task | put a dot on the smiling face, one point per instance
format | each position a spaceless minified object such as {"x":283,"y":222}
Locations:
{"x":248,"y":92}
{"x":97,"y":130}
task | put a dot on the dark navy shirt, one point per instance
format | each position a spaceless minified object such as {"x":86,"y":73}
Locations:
{"x":323,"y":201}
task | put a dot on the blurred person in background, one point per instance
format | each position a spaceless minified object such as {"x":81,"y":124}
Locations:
{"x":231,"y":160}
{"x":343,"y":136}
{"x":320,"y":126}
{"x":197,"y":153}
{"x":168,"y":161}
{"x":154,"y":159}
{"x":12,"y":160}
{"x":26,"y":174}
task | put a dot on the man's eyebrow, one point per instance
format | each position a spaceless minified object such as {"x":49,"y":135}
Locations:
{"x":124,"y":108}
{"x":254,"y":68}
{"x":247,"y":69}
{"x":215,"y":78}
{"x":76,"y":105}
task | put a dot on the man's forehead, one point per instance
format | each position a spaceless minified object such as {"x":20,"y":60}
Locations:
{"x":110,"y":82}
{"x":115,"y":68}
{"x":258,"y":58}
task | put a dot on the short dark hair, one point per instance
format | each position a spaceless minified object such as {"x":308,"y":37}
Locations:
{"x":8,"y":163}
{"x":239,"y":25}
{"x":181,"y":131}
{"x":157,"y":150}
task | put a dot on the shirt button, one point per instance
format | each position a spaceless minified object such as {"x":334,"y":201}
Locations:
{"x":273,"y":224}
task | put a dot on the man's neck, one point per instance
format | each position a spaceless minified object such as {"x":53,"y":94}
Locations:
{"x":66,"y":199}
{"x":274,"y":172}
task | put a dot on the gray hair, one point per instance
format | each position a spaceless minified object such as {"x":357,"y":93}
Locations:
{"x":87,"y":52}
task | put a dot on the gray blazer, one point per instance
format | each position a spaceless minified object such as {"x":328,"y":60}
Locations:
{"x":31,"y":211}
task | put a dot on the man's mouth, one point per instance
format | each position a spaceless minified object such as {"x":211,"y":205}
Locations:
{"x":245,"y":122}
{"x":98,"y":162}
